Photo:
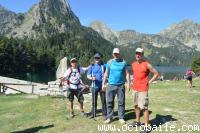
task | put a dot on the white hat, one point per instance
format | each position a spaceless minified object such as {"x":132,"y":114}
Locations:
{"x":116,"y":50}
{"x":73,"y":59}
{"x":139,"y":50}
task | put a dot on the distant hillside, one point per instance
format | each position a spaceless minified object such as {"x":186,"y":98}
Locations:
{"x":160,"y":49}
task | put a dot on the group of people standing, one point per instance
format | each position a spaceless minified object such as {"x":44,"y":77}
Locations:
{"x":109,"y":80}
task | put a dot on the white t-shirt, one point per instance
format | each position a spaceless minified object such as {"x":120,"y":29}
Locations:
{"x":74,"y":77}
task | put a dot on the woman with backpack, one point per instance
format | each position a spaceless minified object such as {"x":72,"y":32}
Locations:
{"x":189,"y":74}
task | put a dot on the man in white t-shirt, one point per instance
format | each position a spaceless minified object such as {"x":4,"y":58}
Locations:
{"x":73,"y":78}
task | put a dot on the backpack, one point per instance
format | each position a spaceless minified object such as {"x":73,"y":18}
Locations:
{"x":74,"y":78}
{"x":189,"y":73}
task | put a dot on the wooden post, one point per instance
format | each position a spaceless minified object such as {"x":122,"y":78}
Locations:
{"x":32,"y":88}
{"x":0,"y":89}
{"x":4,"y":89}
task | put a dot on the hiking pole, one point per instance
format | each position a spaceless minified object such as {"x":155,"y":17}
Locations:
{"x":94,"y":100}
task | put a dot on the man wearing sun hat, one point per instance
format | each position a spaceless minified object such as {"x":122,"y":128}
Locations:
{"x":116,"y":74}
{"x":141,"y":69}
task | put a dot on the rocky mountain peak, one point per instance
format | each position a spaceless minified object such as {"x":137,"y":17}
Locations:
{"x":45,"y":16}
{"x":7,"y":20}
{"x":54,"y":7}
{"x":105,"y":31}
{"x":187,"y":32}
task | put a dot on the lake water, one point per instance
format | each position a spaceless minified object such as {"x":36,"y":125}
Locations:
{"x":171,"y":69}
{"x":169,"y":73}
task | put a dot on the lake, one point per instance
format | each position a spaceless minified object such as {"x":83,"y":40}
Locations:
{"x":169,"y":72}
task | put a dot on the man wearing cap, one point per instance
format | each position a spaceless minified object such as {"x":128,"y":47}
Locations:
{"x":95,"y":73}
{"x":73,"y":78}
{"x":141,"y":69}
{"x":117,"y":74}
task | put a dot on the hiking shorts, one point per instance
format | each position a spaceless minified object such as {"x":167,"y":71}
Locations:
{"x":189,"y":78}
{"x":141,"y":99}
{"x":75,"y":92}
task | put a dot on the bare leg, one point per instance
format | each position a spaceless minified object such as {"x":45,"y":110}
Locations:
{"x":146,"y":117}
{"x":137,"y":113}
{"x":71,"y":106}
{"x":81,"y":106}
{"x":190,"y":83}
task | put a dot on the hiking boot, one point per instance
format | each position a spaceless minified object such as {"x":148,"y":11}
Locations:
{"x":122,"y":121}
{"x":107,"y":121}
{"x":136,"y":124}
{"x":71,"y":114}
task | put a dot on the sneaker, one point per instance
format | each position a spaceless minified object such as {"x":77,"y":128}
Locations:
{"x":107,"y":121}
{"x":104,"y":118}
{"x":92,"y":116}
{"x":146,"y":130}
{"x":71,"y":114}
{"x":122,"y":121}
{"x":136,"y":124}
{"x":82,"y":113}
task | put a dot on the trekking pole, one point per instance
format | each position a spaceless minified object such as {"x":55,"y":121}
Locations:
{"x":94,"y":100}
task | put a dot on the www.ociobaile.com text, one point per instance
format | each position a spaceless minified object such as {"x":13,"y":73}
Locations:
{"x":161,"y":128}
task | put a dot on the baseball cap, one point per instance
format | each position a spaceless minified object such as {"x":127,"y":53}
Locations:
{"x":73,"y":59}
{"x":139,"y":50}
{"x":115,"y":51}
{"x":97,"y":55}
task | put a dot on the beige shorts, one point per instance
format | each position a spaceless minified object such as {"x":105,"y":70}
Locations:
{"x":141,"y":99}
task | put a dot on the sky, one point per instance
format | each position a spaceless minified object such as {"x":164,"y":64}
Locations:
{"x":146,"y":16}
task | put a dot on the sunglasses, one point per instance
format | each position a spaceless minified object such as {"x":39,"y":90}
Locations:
{"x":138,"y":53}
{"x":97,"y":58}
{"x":73,"y":61}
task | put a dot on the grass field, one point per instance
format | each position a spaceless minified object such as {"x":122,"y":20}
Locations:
{"x":171,"y":103}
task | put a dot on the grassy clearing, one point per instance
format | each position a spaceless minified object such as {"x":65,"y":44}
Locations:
{"x":170,"y":102}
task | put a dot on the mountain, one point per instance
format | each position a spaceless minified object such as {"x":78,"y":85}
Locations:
{"x":49,"y":19}
{"x":8,"y":20}
{"x":35,"y":41}
{"x":46,"y":18}
{"x":187,"y":32}
{"x":161,"y":49}
{"x":105,"y":31}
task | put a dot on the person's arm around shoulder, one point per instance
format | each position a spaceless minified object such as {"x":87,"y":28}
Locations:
{"x":154,"y":71}
{"x":83,"y":69}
